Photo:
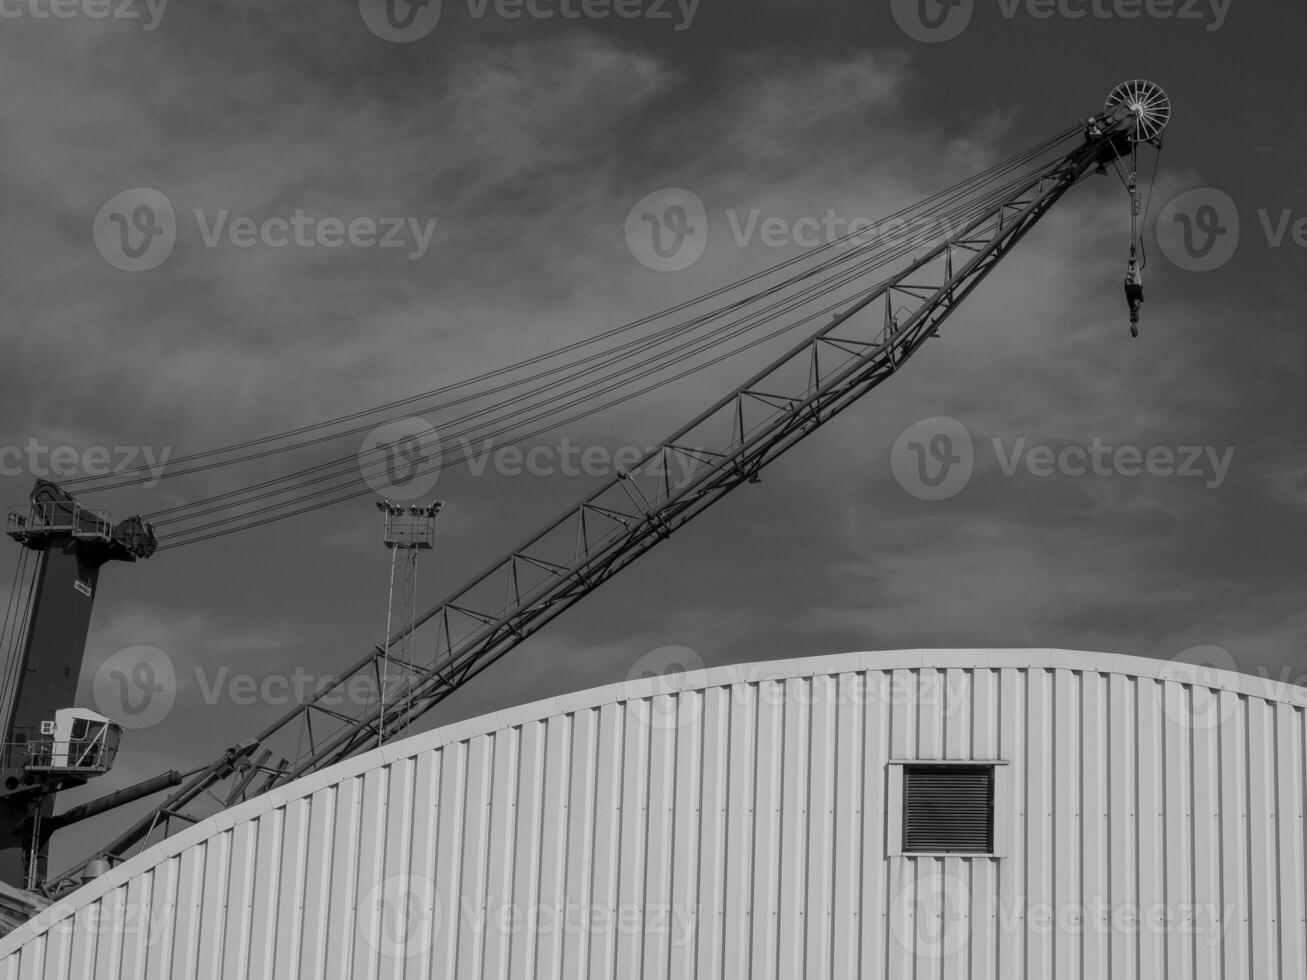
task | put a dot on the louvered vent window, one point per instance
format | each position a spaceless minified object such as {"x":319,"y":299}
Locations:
{"x":948,"y":809}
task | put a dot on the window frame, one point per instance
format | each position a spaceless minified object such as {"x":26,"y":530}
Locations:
{"x":895,"y":806}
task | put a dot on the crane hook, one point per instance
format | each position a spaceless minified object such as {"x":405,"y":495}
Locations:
{"x":1134,"y":291}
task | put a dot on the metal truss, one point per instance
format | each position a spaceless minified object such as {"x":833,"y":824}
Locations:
{"x":591,"y":542}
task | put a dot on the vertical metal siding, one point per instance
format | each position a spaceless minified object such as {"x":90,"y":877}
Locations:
{"x":733,"y":824}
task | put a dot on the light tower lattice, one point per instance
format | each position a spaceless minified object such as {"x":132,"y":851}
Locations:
{"x":409,"y":530}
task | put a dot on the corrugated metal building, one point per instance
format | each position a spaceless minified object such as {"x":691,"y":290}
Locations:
{"x":1125,"y":818}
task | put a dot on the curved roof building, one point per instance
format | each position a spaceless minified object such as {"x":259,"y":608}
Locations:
{"x":977,"y":813}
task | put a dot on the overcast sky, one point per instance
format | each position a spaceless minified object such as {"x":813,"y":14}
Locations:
{"x":514,"y":148}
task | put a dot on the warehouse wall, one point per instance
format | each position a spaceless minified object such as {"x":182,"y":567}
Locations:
{"x":733,"y":823}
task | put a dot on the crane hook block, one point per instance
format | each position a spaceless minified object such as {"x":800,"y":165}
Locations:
{"x":1134,"y":294}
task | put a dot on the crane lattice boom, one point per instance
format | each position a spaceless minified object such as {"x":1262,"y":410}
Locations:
{"x":863,"y":346}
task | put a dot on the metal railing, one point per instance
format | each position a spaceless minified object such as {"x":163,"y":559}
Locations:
{"x":58,"y":517}
{"x":84,"y":754}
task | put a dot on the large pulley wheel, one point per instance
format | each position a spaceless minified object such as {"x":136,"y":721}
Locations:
{"x":1145,"y":103}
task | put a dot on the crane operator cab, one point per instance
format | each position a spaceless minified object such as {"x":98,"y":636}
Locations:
{"x":77,"y":742}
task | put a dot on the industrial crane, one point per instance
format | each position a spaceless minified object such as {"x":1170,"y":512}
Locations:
{"x":857,"y":349}
{"x":49,"y":744}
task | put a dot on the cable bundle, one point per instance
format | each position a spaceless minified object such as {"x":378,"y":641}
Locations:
{"x":521,"y":401}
